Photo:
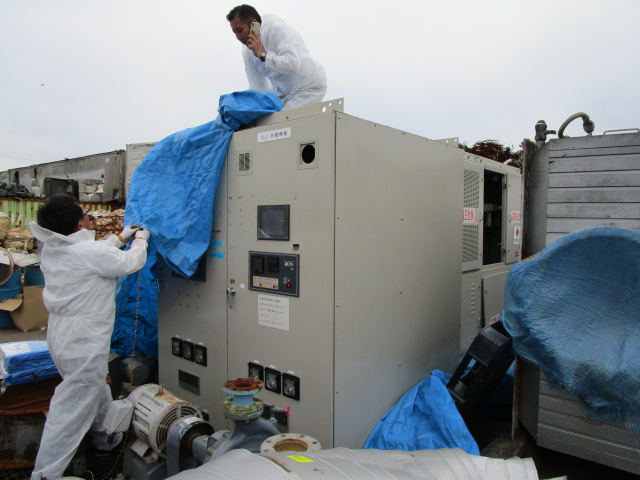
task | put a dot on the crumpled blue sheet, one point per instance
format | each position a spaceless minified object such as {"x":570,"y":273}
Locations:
{"x":137,"y":296}
{"x":171,"y":194}
{"x":574,"y":312}
{"x":172,"y":190}
{"x":26,"y":362}
{"x":425,"y":417}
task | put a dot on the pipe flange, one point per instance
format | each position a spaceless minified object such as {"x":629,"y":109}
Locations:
{"x":243,"y":385}
{"x":290,"y":442}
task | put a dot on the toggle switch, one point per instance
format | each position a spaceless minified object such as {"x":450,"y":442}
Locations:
{"x":176,"y":346}
{"x":291,"y":386}
{"x":272,"y":380}
{"x":200,"y":355}
{"x":256,"y":371}
{"x":187,"y":350}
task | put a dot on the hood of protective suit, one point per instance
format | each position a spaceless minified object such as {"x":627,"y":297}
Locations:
{"x":57,"y":240}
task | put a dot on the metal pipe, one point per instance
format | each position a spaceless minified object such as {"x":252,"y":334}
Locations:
{"x":587,"y":124}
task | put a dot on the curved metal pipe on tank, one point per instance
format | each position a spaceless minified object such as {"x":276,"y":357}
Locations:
{"x":587,"y":124}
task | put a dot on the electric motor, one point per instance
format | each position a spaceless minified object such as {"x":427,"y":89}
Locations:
{"x":155,"y":410}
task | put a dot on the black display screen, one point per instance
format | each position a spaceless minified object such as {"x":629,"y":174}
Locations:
{"x":273,"y":222}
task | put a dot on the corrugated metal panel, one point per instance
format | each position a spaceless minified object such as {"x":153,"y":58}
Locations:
{"x":108,"y":166}
{"x":563,"y":427}
{"x":578,"y":183}
{"x":593,"y":181}
{"x":22,"y":211}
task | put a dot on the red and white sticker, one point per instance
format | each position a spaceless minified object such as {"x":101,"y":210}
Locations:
{"x":517,"y":234}
{"x":516,"y":217}
{"x":469,"y":216}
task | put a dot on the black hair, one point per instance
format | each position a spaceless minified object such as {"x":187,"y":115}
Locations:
{"x":244,"y":12}
{"x":61,"y":214}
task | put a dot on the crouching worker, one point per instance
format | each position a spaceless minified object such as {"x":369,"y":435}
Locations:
{"x":80,"y":281}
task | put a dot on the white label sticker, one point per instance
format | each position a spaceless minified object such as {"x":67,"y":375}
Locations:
{"x":516,"y":217}
{"x":15,"y":348}
{"x":272,"y":135}
{"x":273,"y":312}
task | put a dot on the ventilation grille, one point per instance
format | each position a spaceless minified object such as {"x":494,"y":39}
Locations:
{"x":470,"y":243}
{"x":471,"y":233}
{"x":471,"y":189}
{"x":244,"y":163}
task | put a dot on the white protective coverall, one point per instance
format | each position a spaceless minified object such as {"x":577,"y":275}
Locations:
{"x":80,"y":280}
{"x":289,"y":70}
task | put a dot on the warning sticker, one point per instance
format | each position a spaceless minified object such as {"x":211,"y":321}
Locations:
{"x":300,"y":458}
{"x":517,"y":233}
{"x":469,"y":216}
{"x":516,"y":217}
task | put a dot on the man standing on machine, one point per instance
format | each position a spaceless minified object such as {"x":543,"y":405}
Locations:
{"x":276,"y":58}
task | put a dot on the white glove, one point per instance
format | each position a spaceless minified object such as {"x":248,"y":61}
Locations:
{"x":128,"y":232}
{"x":143,"y":233}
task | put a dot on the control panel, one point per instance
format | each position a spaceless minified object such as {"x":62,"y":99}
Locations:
{"x":274,"y":273}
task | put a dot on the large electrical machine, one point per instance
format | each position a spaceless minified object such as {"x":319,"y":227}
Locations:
{"x":576,"y":183}
{"x":333,"y":274}
{"x":492,"y":233}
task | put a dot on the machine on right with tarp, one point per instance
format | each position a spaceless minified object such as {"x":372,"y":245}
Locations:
{"x":573,"y":306}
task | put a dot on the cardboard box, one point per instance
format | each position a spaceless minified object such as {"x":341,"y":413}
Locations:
{"x":27,"y":310}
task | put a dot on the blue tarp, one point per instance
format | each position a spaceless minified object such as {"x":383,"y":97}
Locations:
{"x":574,"y":312}
{"x":425,"y":417}
{"x":171,"y":194}
{"x":26,"y":362}
{"x":137,"y":294}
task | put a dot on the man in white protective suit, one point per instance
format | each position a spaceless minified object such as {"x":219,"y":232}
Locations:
{"x":276,"y":58}
{"x":80,"y":279}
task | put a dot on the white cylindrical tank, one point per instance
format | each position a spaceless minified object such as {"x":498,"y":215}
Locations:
{"x":347,"y":464}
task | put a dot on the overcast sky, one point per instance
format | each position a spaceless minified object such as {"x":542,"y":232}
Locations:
{"x":79,"y":77}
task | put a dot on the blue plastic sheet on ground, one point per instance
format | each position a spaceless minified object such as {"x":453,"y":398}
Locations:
{"x":171,"y":194}
{"x":26,"y":362}
{"x":425,"y":417}
{"x":574,"y":312}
